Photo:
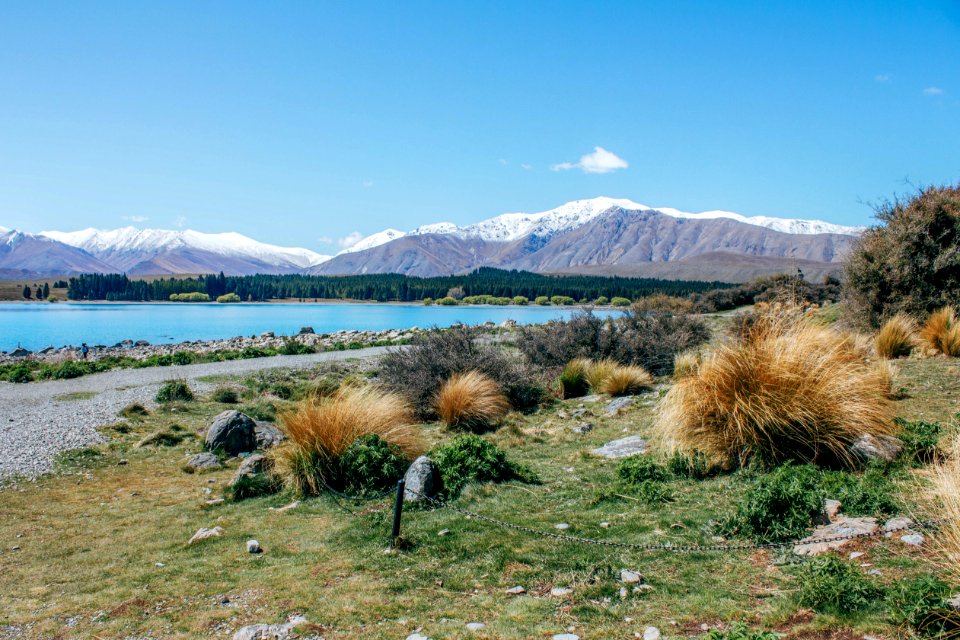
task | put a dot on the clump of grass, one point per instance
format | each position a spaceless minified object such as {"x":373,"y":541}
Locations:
{"x":371,"y":465}
{"x":686,"y":363}
{"x":830,"y":585}
{"x":896,"y":337}
{"x":174,"y":391}
{"x":225,"y":395}
{"x":946,"y":498}
{"x":597,"y":372}
{"x":788,"y":390}
{"x":692,"y":466}
{"x":739,"y":631}
{"x":572,"y":381}
{"x":261,"y":409}
{"x":941,"y":332}
{"x":471,"y":402}
{"x":319,"y":433}
{"x":169,"y":437}
{"x":640,"y":468}
{"x":626,"y":380}
{"x":471,"y":458}
{"x":134,"y":411}
{"x":921,"y":440}
{"x":921,"y":604}
{"x":251,"y":486}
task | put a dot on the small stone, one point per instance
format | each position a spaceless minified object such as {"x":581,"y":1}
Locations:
{"x":421,"y":481}
{"x":954,"y":602}
{"x":443,"y":532}
{"x":15,"y":547}
{"x":159,"y":564}
{"x":582,"y":427}
{"x":566,"y":636}
{"x":618,"y":405}
{"x":561,"y":591}
{"x":604,"y":525}
{"x":630,"y":576}
{"x":287,"y":507}
{"x":893,"y":525}
{"x":253,"y":547}
{"x":651,"y":633}
{"x":856,"y":554}
{"x":623,"y":593}
{"x":644,"y":588}
{"x":417,"y":636}
{"x":274,"y":631}
{"x":874,"y":572}
{"x":562,"y":414}
{"x":842,"y":528}
{"x":202,"y":462}
{"x":591,"y":399}
{"x":517,"y":590}
{"x":914,"y":539}
{"x":122,"y":461}
{"x":562,"y":526}
{"x":476,"y":626}
{"x":205,"y":534}
{"x":622,"y":448}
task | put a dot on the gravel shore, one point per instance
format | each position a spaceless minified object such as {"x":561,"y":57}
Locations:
{"x":35,"y":425}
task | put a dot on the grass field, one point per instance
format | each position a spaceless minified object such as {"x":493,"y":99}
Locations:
{"x":99,"y":550}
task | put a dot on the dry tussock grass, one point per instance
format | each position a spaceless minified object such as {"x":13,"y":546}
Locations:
{"x":896,"y":337}
{"x":626,"y":380}
{"x":319,"y":431}
{"x":471,"y":401}
{"x":942,"y":332}
{"x":946,"y":489}
{"x":789,"y":389}
{"x":686,"y":363}
{"x":597,"y":371}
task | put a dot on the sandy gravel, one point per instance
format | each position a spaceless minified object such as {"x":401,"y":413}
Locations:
{"x":35,"y":425}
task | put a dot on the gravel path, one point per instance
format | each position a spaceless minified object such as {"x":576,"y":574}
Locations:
{"x":36,"y":422}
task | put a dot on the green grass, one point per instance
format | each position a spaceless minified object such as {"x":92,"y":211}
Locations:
{"x":77,"y":395}
{"x":90,"y":542}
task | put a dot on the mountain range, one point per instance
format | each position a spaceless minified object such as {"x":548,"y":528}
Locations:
{"x":599,"y":235}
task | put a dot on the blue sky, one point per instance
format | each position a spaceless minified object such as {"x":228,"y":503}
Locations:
{"x":301,"y":123}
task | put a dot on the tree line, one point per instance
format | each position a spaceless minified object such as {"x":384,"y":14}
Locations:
{"x":380,"y":287}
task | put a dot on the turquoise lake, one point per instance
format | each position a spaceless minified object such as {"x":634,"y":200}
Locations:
{"x":36,"y":326}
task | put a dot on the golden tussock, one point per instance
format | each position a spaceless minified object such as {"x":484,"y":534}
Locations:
{"x":471,"y":401}
{"x":942,"y":332}
{"x":897,"y":337}
{"x":790,"y":389}
{"x":626,"y":380}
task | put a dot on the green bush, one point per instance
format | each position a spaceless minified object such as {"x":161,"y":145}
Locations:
{"x":447,"y":301}
{"x":293,"y":347}
{"x":693,"y":467}
{"x":196,"y":296}
{"x":562,"y":300}
{"x":739,"y":631}
{"x":870,"y":494}
{"x":19,"y":373}
{"x":620,"y":302}
{"x":830,"y":585}
{"x":428,"y":301}
{"x":371,"y":466}
{"x":225,"y":395}
{"x":542,"y":300}
{"x":470,"y":458}
{"x":520,"y":300}
{"x":920,"y":440}
{"x":573,"y":380}
{"x":174,"y":391}
{"x":228,"y":298}
{"x":602,"y":301}
{"x":640,"y":468}
{"x":921,"y":604}
{"x":69,"y":369}
{"x":182,"y":357}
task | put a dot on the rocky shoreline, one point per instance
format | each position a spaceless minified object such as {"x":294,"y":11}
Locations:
{"x":141,"y":350}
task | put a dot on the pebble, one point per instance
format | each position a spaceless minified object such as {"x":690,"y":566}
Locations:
{"x":517,"y":590}
{"x":476,"y":626}
{"x":562,"y":526}
{"x":443,"y":532}
{"x":566,"y":636}
{"x":651,"y":633}
{"x":204,"y":534}
{"x":417,"y":636}
{"x":914,"y":539}
{"x":254,"y":547}
{"x":630,"y":576}
{"x":561,"y":591}
{"x":856,"y":554}
{"x":604,"y":525}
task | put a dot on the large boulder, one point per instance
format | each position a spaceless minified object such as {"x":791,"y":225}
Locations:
{"x":883,"y":448}
{"x":422,"y":479}
{"x":205,"y":461}
{"x":268,"y":435}
{"x":233,"y":433}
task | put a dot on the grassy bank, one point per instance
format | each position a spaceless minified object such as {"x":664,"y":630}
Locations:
{"x":101,"y":551}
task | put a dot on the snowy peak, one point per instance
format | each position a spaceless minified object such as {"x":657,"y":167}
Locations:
{"x":129,"y":240}
{"x":375,"y":240}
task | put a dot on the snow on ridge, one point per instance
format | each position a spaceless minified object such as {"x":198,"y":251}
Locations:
{"x":374,"y":240}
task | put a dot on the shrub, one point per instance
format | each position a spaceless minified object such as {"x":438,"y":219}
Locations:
{"x":433,"y":357}
{"x":427,"y":301}
{"x":896,"y":337}
{"x":20,"y":374}
{"x":447,"y":301}
{"x":260,"y":410}
{"x":909,"y":262}
{"x":69,"y":369}
{"x":470,"y":458}
{"x":739,"y":631}
{"x":293,"y":347}
{"x":831,"y":585}
{"x":520,"y":300}
{"x":921,"y":604}
{"x":319,"y":433}
{"x":228,"y":298}
{"x":663,"y":302}
{"x":920,"y":439}
{"x":471,"y":402}
{"x":182,"y":358}
{"x":602,"y":301}
{"x":788,"y":391}
{"x":640,"y":468}
{"x":872,"y":493}
{"x":572,"y":381}
{"x":942,"y":332}
{"x":542,"y":300}
{"x":626,"y":380}
{"x":649,"y":340}
{"x":620,"y":302}
{"x":196,"y":296}
{"x":779,"y":506}
{"x":174,"y":391}
{"x":371,"y":465}
{"x":225,"y":395}
{"x":562,"y":300}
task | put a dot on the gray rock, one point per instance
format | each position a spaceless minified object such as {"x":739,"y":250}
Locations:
{"x":269,"y":631}
{"x":631,"y":577}
{"x":565,"y":636}
{"x":205,"y":534}
{"x":842,"y":527}
{"x":562,"y":526}
{"x":954,"y":602}
{"x":583,"y":427}
{"x":651,"y":633}
{"x":476,"y":626}
{"x":202,"y":462}
{"x":832,"y":509}
{"x":417,"y":636}
{"x":591,"y":399}
{"x":252,"y":465}
{"x":516,"y":591}
{"x":618,"y":405}
{"x":253,"y":546}
{"x":20,"y":352}
{"x":893,"y":525}
{"x":421,"y":479}
{"x":622,"y":448}
{"x":561,"y":591}
{"x":576,"y":413}
{"x":306,"y":331}
{"x":267,"y":334}
{"x":267,"y":435}
{"x":868,"y":448}
{"x":914,"y":539}
{"x":232,"y":432}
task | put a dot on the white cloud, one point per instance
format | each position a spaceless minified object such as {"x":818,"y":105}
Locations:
{"x":881,"y":77}
{"x":933,"y":91}
{"x":600,"y":161}
{"x":180,"y":221}
{"x":526,"y":166}
{"x":349,"y":240}
{"x":136,"y":218}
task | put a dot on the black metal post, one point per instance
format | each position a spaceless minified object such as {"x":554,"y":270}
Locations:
{"x":397,"y":511}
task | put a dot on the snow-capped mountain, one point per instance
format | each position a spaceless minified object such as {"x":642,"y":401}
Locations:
{"x":508,"y":227}
{"x":158,"y":251}
{"x":26,"y":255}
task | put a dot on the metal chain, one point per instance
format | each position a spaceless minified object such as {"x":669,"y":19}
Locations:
{"x":928,"y":524}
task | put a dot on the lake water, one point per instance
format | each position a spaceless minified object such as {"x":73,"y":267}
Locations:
{"x":36,"y":326}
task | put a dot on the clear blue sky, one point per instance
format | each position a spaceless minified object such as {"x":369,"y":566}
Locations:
{"x":300,"y":122}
